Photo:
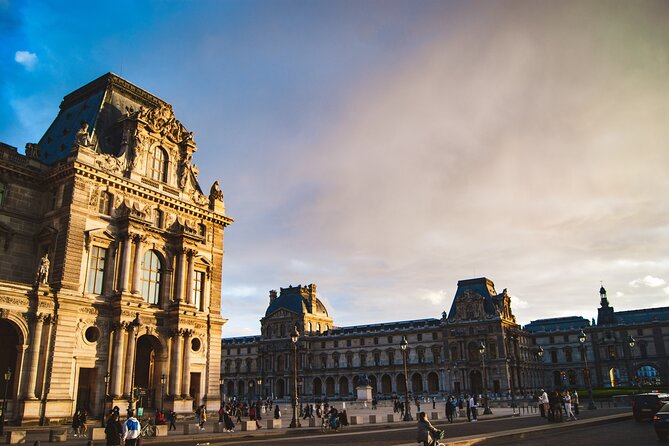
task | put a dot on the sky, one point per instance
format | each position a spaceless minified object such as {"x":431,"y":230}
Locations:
{"x":384,"y":150}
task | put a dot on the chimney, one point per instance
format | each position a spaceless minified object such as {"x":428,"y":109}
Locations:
{"x":272,"y":296}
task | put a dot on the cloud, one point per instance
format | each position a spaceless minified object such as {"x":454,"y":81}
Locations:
{"x":519,"y":304}
{"x":435,"y":297}
{"x":27,"y":59}
{"x":648,"y":281}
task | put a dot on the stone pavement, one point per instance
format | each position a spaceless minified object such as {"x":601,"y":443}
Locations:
{"x":360,"y":413}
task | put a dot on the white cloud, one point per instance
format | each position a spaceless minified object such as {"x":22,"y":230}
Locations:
{"x":27,"y":59}
{"x":620,"y":293}
{"x":436,"y":297}
{"x":648,"y":281}
{"x":666,"y":290}
{"x":519,"y":304}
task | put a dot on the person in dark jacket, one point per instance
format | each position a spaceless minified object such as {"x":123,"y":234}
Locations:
{"x":113,"y":431}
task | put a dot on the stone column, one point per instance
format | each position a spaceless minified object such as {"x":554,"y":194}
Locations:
{"x":117,"y":361}
{"x":167,"y":284}
{"x":179,"y":281}
{"x":189,"y":276}
{"x":35,"y":343}
{"x":125,"y":265}
{"x":137,"y":262}
{"x":110,"y":270}
{"x":185,"y":382}
{"x":175,"y":361}
{"x":130,"y":360}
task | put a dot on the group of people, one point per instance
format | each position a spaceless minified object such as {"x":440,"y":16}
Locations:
{"x":552,"y":406}
{"x":117,"y":432}
{"x":79,"y":427}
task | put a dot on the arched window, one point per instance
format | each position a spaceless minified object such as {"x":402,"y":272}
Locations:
{"x":152,"y":271}
{"x":105,"y":203}
{"x":157,"y":168}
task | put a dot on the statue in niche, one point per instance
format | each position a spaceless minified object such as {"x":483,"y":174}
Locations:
{"x":42,"y":276}
{"x":82,"y":138}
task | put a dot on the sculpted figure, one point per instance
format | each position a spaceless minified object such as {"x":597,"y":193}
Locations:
{"x":43,"y":270}
{"x":215,"y":193}
{"x":82,"y":138}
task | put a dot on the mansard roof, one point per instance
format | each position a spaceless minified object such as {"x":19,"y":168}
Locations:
{"x":557,"y":324}
{"x":297,"y":299}
{"x":481,"y":286}
{"x":100,"y":104}
{"x":644,"y":316}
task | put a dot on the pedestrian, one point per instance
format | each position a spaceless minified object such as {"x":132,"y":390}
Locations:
{"x":227,"y":420}
{"x":473,"y":405}
{"x":277,"y":412}
{"x":434,"y":402}
{"x":468,"y":407}
{"x":574,"y":401}
{"x":426,"y":432}
{"x":83,"y":428}
{"x":238,"y":413}
{"x":131,"y":430}
{"x":76,"y":419}
{"x":220,"y":413}
{"x":113,"y":431}
{"x":543,"y":403}
{"x":173,"y":420}
{"x":449,"y":409}
{"x":567,"y":407}
{"x":203,"y":416}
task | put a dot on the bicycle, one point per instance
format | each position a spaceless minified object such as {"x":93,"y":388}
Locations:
{"x":326,"y":425}
{"x":148,"y":429}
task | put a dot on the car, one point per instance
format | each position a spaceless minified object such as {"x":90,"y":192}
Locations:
{"x":661,"y":422}
{"x":646,"y":405}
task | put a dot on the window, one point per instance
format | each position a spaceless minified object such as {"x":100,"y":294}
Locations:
{"x":152,"y":271}
{"x":198,"y":287}
{"x":96,"y":270}
{"x":362,"y":341}
{"x":54,"y":199}
{"x":551,"y":340}
{"x":157,"y":168}
{"x":363,"y":359}
{"x":336,"y":344}
{"x":554,"y":357}
{"x":419,"y":336}
{"x":202,"y":230}
{"x":105,"y":203}
{"x":391,"y":358}
{"x":376,"y":341}
{"x":639,"y":331}
{"x":390,"y":340}
{"x":3,"y":193}
{"x":348,"y":342}
{"x":566,"y":338}
{"x":568,"y":355}
{"x":434,"y":336}
{"x":157,"y":218}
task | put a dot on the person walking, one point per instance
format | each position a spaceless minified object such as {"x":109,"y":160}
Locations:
{"x":473,"y":405}
{"x":203,"y":416}
{"x":543,"y":403}
{"x":131,"y":430}
{"x":468,"y":407}
{"x":113,"y":431}
{"x":173,"y":420}
{"x":227,"y":420}
{"x":574,"y":401}
{"x":449,"y":409}
{"x":567,"y":407}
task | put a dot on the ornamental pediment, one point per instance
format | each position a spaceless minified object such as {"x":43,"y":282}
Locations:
{"x":469,"y":306}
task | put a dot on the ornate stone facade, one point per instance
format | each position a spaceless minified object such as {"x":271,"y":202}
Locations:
{"x":131,"y":289}
{"x":443,"y":354}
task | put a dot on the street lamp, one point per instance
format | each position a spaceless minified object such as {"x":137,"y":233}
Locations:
{"x":135,"y":324}
{"x":163,"y":380}
{"x":294,"y":337}
{"x":221,"y":389}
{"x":104,"y":404}
{"x":581,"y":339}
{"x":260,"y":389}
{"x":540,"y":356}
{"x":486,"y":409}
{"x":8,"y":376}
{"x":631,"y":342}
{"x":407,"y":410}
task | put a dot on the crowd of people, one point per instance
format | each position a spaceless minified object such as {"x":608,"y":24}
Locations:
{"x":558,"y":405}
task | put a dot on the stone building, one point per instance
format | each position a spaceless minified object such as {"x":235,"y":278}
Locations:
{"x":623,"y":348}
{"x":110,"y":274}
{"x":443,"y":354}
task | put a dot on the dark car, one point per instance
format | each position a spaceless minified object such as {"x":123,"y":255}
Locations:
{"x":661,"y":422}
{"x":646,"y":405}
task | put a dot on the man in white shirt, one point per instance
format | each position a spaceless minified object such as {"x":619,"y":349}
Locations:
{"x":543,"y":403}
{"x":472,"y":407}
{"x":131,"y":430}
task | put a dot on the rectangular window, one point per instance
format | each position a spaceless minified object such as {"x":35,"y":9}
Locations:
{"x":96,"y":270}
{"x":105,"y":203}
{"x":348,"y":342}
{"x":554,"y":357}
{"x":198,"y":288}
{"x":362,"y":341}
{"x":419,"y":336}
{"x":3,"y":192}
{"x":566,"y":338}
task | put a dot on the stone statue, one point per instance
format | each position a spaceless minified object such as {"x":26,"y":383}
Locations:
{"x":82,"y":138}
{"x":215,"y":193}
{"x":43,"y":270}
{"x":32,"y":150}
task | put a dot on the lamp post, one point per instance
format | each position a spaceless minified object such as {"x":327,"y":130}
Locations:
{"x":135,"y":324}
{"x":163,"y":380}
{"x":540,"y":356}
{"x":104,"y":404}
{"x":631,"y":342}
{"x":407,"y":409}
{"x":486,"y":409}
{"x":260,"y":389}
{"x":294,"y":337}
{"x":581,"y":339}
{"x":221,"y":389}
{"x":7,"y":376}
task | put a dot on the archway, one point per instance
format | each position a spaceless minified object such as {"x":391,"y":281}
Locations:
{"x":329,"y":387}
{"x":647,"y":375}
{"x":432,"y":383}
{"x":343,"y":387}
{"x":318,"y":387}
{"x":401,"y":384}
{"x":279,"y":388}
{"x":476,"y":381}
{"x":230,"y":390}
{"x":241,"y":390}
{"x":614,"y":377}
{"x":10,"y":339}
{"x":386,"y":385}
{"x":148,"y":368}
{"x":416,"y":384}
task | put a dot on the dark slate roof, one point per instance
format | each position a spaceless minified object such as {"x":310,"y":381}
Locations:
{"x":415,"y":324}
{"x":240,"y":340}
{"x":557,"y":324}
{"x":292,"y":299}
{"x":647,"y":315}
{"x":100,"y":103}
{"x":482,"y":286}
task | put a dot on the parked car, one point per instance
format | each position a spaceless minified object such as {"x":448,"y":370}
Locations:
{"x":661,"y":422}
{"x":646,"y":405}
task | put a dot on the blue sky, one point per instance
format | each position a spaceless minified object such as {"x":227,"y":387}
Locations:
{"x":385,"y":150}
